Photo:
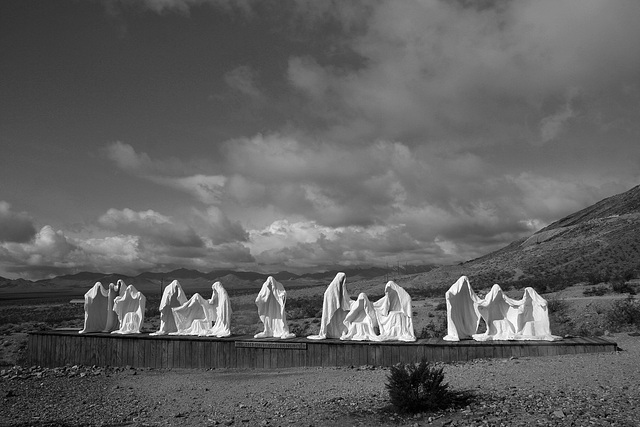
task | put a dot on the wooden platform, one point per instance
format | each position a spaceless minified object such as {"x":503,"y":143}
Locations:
{"x":64,"y":347}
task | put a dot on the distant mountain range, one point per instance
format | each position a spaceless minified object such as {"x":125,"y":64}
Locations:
{"x":598,"y":243}
{"x":195,"y":280}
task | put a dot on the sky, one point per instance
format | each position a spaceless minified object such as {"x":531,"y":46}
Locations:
{"x":149,"y":135}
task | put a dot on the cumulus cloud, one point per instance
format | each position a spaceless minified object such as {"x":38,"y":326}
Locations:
{"x":172,"y":173}
{"x":14,"y":226}
{"x":140,"y":241}
{"x":152,"y":225}
{"x":49,"y":252}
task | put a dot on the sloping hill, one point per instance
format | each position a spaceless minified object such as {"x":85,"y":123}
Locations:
{"x":598,"y":243}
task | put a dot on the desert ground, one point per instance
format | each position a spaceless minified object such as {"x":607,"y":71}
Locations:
{"x":572,"y":390}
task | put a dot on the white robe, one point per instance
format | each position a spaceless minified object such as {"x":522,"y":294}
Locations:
{"x":96,"y":304}
{"x":530,"y":317}
{"x":112,"y":318}
{"x":271,"y":302}
{"x":222,"y":306}
{"x":509,"y":319}
{"x":463,"y":317}
{"x":130,"y":310}
{"x":495,"y":311}
{"x":335,"y":307}
{"x":361,"y":321}
{"x":173,"y":296}
{"x":194,"y":317}
{"x":395,"y":314}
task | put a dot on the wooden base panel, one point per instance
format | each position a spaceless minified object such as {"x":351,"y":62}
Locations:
{"x":63,"y":347}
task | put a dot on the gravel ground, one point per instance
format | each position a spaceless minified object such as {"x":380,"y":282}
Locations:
{"x":601,"y":389}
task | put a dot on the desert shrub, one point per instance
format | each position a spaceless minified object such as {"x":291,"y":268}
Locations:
{"x":442,"y":306}
{"x":433,"y":329}
{"x":421,"y":388}
{"x":621,"y":287}
{"x":595,"y":291}
{"x":559,"y":320}
{"x":301,"y":329}
{"x":624,"y":314}
{"x":305,"y":307}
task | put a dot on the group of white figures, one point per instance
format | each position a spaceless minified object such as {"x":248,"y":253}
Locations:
{"x":120,"y":310}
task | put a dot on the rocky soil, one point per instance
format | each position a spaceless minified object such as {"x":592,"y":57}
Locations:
{"x":601,"y":389}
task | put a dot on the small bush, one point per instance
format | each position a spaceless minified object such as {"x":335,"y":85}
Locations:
{"x":421,"y":388}
{"x":433,"y":329}
{"x":442,"y":306}
{"x":621,"y":287}
{"x":624,"y":314}
{"x":595,"y":291}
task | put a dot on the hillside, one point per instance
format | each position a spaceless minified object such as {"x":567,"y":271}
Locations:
{"x":598,"y":243}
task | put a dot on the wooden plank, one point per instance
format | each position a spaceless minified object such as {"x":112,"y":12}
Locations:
{"x":241,"y":359}
{"x":186,"y":353}
{"x":321,"y":355}
{"x":340,"y":354}
{"x":178,"y":353}
{"x":98,"y":345}
{"x":55,"y":349}
{"x":150,"y":352}
{"x":170,"y":355}
{"x":226,"y":354}
{"x":311,"y":357}
{"x":216,"y":354}
{"x":198,"y":351}
{"x":387,"y":356}
{"x":364,"y":354}
{"x":259,"y":360}
{"x":331,"y":355}
{"x":59,"y":350}
{"x":42,"y":350}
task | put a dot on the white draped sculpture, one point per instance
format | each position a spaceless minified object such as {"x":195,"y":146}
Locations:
{"x":114,"y":292}
{"x":394,"y":314}
{"x":361,"y":321}
{"x":95,"y":309}
{"x":130,"y":310}
{"x":194,"y":317}
{"x":335,"y":306}
{"x":98,"y":308}
{"x":271,"y":302}
{"x":199,"y":316}
{"x":173,"y":296}
{"x":222,"y":311}
{"x":463,"y":317}
{"x":506,"y":318}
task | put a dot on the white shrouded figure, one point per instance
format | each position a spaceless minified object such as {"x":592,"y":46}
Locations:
{"x":463,"y":317}
{"x":531,"y":317}
{"x":114,"y":292}
{"x":395,"y":314}
{"x":335,"y":307}
{"x":222,"y":306}
{"x":96,"y":303}
{"x":130,"y":310}
{"x":271,"y":302}
{"x":194,"y":317}
{"x":526,"y":319}
{"x":172,"y":297}
{"x":495,"y":311}
{"x":361,"y":321}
